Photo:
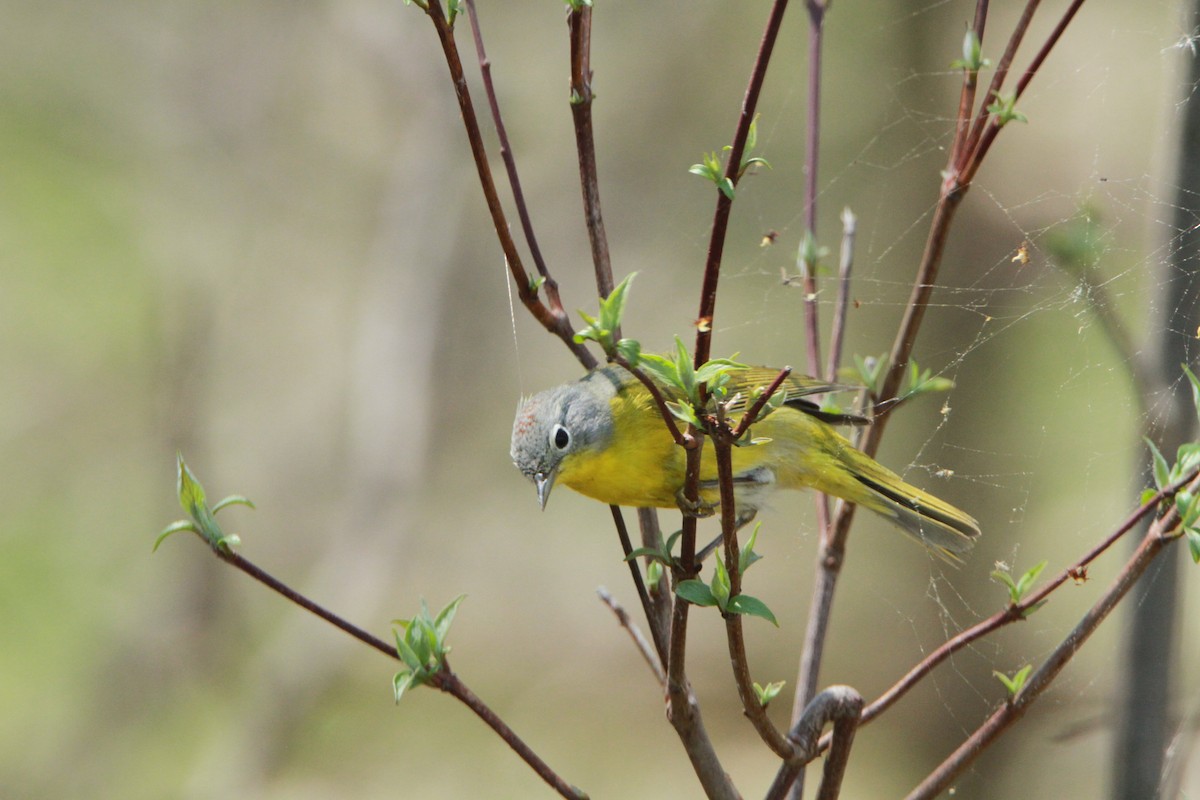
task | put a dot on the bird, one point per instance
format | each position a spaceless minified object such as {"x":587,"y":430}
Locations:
{"x":604,"y":436}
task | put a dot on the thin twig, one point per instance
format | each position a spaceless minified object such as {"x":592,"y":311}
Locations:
{"x":751,"y":707}
{"x":816,"y":28}
{"x":845,"y":263}
{"x":966,"y":97}
{"x":685,"y":440}
{"x":956,"y":182}
{"x":660,"y":594}
{"x":751,"y":415}
{"x":1154,"y":542}
{"x":445,"y":679}
{"x":558,"y":324}
{"x":660,"y":635}
{"x":449,"y":682}
{"x":720,"y":223}
{"x":510,"y":165}
{"x":579,"y":24}
{"x":1017,"y":612}
{"x":635,"y":633}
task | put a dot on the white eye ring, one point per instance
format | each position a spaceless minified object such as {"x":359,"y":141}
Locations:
{"x":560,"y":437}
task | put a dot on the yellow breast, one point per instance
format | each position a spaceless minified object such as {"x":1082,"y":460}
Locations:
{"x":639,"y":466}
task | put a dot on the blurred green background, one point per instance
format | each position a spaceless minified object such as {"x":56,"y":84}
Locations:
{"x":252,"y":232}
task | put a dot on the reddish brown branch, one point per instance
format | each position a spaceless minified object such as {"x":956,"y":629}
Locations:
{"x":751,"y":415}
{"x":579,"y":24}
{"x":1154,"y":542}
{"x":720,"y":223}
{"x":558,"y":324}
{"x":1014,"y":613}
{"x":510,"y":165}
{"x":722,"y":444}
{"x":448,"y":682}
{"x":842,"y":706}
{"x":445,"y":679}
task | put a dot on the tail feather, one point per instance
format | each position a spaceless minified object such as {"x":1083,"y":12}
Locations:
{"x":939,"y":526}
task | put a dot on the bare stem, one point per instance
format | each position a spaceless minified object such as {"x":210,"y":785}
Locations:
{"x":449,"y":682}
{"x":651,"y":658}
{"x":557,"y":324}
{"x":845,"y":264}
{"x":842,"y":706}
{"x":816,"y":35}
{"x":751,"y":707}
{"x":720,"y":223}
{"x":510,"y":164}
{"x":579,"y":25}
{"x":652,"y":619}
{"x":1154,"y":542}
{"x":445,"y":679}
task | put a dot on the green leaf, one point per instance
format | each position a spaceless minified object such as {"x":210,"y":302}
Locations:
{"x":1161,"y":471}
{"x":1005,"y":109}
{"x":1195,"y":382}
{"x":696,"y":592}
{"x":193,"y":501}
{"x":1017,"y":682}
{"x":654,"y":572}
{"x":1026,"y":581}
{"x":1193,"y":540}
{"x":752,"y":606}
{"x":747,"y":557}
{"x":612,"y":308}
{"x":720,"y":584}
{"x":972,"y":54}
{"x":233,"y":499}
{"x":630,"y":350}
{"x":445,"y":617}
{"x":402,"y":681}
{"x":1003,"y":576}
{"x":174,"y":527}
{"x":766,"y":694}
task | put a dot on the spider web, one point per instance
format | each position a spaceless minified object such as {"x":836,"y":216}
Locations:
{"x":1008,"y":303}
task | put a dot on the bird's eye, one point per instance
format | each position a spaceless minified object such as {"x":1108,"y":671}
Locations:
{"x":561,"y":437}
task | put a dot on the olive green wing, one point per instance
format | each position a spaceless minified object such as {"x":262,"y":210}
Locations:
{"x":794,"y":391}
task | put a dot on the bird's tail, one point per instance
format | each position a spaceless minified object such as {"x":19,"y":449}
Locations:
{"x":948,"y":532}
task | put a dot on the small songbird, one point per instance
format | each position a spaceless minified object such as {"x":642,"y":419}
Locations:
{"x":604,"y":437}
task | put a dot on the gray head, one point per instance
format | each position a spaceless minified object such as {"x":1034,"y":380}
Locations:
{"x":554,"y":425}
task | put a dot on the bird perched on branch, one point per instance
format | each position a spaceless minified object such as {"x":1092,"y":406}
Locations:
{"x":604,"y":436}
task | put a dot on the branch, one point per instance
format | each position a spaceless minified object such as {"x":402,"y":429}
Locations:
{"x":660,"y":635}
{"x":1154,"y":542}
{"x":842,"y":706}
{"x":639,"y":641}
{"x":684,"y":440}
{"x":449,"y":683}
{"x":751,"y":707}
{"x":816,"y":35}
{"x":556,"y":323}
{"x":510,"y":165}
{"x":445,"y":679}
{"x":841,"y":305}
{"x":720,"y":223}
{"x":1017,"y":612}
{"x":960,"y":170}
{"x":682,"y":708}
{"x":579,"y":24}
